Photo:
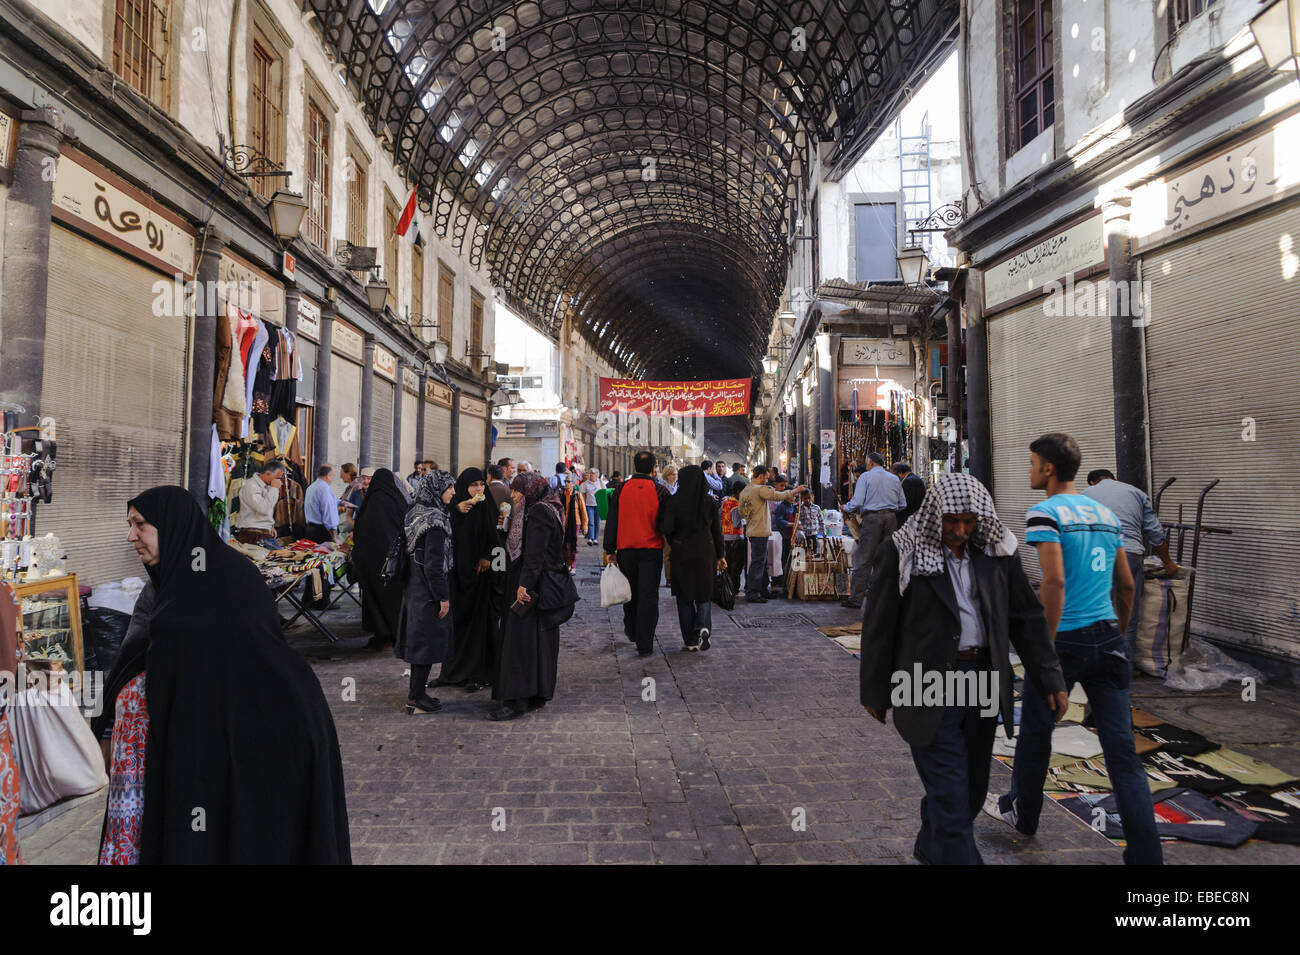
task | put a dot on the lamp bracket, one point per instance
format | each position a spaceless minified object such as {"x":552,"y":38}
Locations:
{"x":247,"y":162}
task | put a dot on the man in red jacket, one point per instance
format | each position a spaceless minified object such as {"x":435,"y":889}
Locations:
{"x":632,"y":537}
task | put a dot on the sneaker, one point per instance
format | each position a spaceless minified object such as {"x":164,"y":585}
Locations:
{"x":704,"y":638}
{"x":692,"y":647}
{"x":993,"y":806}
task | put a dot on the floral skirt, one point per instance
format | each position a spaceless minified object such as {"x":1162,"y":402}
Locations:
{"x":9,"y":852}
{"x":121,"y":845}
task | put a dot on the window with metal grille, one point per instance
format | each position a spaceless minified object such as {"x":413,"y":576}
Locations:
{"x":141,"y":46}
{"x":318,"y":177}
{"x":417,"y":286}
{"x":475,"y":324}
{"x":1183,"y":11}
{"x":356,"y":201}
{"x":265,"y":114}
{"x":1035,"y":100}
{"x":391,"y":215}
{"x":446,"y":302}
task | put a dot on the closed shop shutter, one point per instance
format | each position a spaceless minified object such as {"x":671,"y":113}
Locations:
{"x":437,"y":435}
{"x":307,"y":350}
{"x":410,"y":411}
{"x":345,"y":403}
{"x":1223,"y":346}
{"x":1046,"y":374}
{"x":381,"y":426}
{"x":472,"y":443}
{"x":115,"y":385}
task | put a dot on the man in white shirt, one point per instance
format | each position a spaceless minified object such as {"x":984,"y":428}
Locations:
{"x":878,"y":497}
{"x":257,"y":499}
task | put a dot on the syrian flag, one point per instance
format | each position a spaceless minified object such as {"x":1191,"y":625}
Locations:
{"x":408,"y":226}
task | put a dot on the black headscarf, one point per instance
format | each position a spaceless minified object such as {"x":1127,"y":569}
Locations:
{"x":473,"y":535}
{"x":238,"y":725}
{"x":691,"y":504}
{"x":379,"y":518}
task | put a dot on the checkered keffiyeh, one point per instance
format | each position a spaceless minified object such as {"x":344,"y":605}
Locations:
{"x":920,"y":540}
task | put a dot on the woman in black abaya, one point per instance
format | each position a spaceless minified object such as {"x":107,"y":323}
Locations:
{"x":689,"y":522}
{"x":242,"y":761}
{"x":530,"y":652}
{"x":473,"y":540}
{"x":426,"y":628}
{"x":378,"y":521}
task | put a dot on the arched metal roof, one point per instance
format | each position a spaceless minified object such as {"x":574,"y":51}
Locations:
{"x":630,"y":163}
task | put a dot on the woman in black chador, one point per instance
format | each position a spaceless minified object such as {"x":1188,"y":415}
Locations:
{"x":689,"y":522}
{"x":473,"y":540}
{"x":378,"y":521}
{"x":425,"y":637}
{"x":240,"y":738}
{"x":530,"y":651}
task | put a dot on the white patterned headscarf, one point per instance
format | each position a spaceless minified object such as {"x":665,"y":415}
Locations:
{"x":920,"y":541}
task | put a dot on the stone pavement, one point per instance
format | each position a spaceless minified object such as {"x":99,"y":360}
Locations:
{"x":678,"y":758}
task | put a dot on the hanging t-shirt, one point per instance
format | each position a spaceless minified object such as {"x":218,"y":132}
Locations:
{"x":1090,"y":536}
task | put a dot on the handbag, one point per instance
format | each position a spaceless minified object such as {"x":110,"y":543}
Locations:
{"x":57,"y":754}
{"x":724,"y":591}
{"x":556,"y":597}
{"x":397,"y":562}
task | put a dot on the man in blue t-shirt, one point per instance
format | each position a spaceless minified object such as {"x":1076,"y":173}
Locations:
{"x":1080,"y":546}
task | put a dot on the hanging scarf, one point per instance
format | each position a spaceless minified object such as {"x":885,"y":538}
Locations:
{"x":920,"y":541}
{"x":428,"y":512}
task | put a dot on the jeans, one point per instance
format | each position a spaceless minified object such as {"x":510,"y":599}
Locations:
{"x":1094,"y":656}
{"x":642,"y":567}
{"x":593,"y":523}
{"x":756,"y":573}
{"x":694,"y":616}
{"x":954,"y":769}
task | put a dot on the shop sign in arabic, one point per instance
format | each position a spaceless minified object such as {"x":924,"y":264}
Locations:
{"x":111,"y":212}
{"x":470,"y":405}
{"x":308,"y":318}
{"x":349,"y":342}
{"x":876,"y":351}
{"x":410,"y":380}
{"x":1234,"y":180}
{"x":714,"y":399}
{"x":437,"y":392}
{"x":1079,"y":247}
{"x":385,"y":362}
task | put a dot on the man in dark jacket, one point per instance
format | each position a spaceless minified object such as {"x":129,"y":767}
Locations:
{"x":947,"y":602}
{"x":913,"y":490}
{"x":632,"y":538}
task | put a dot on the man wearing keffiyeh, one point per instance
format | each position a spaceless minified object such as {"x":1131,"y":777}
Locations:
{"x":948,"y":601}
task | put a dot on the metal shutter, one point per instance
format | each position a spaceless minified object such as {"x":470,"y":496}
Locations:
{"x":1046,"y":374}
{"x":115,"y":384}
{"x":472,"y":443}
{"x":437,"y":434}
{"x":1223,"y":345}
{"x":410,"y":409}
{"x":345,"y":403}
{"x":307,"y":350}
{"x":381,"y":425}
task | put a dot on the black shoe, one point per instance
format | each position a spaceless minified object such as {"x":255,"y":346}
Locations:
{"x":692,"y":647}
{"x":851,"y":604}
{"x":704,"y":638}
{"x":427,"y":704}
{"x":376,"y":643}
{"x":472,"y":687}
{"x":644,"y":653}
{"x":503,"y":714}
{"x":756,"y":600}
{"x":438,"y":681}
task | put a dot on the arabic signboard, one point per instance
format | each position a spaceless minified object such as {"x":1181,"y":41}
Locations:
{"x":308,"y":318}
{"x":385,"y":363}
{"x":437,"y":392}
{"x":471,"y":405}
{"x":713,"y":399}
{"x":876,"y":351}
{"x":1072,"y":250}
{"x":349,"y":342}
{"x":1247,"y":175}
{"x":97,"y":202}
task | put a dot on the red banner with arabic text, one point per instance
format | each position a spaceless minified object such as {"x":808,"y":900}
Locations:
{"x":714,"y":399}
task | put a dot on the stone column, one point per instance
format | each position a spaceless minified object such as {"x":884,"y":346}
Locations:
{"x":291,"y":296}
{"x":399,"y":393}
{"x":368,"y":403}
{"x":25,"y":283}
{"x":454,"y":467}
{"x":324,"y":358}
{"x":980,"y":434}
{"x":1127,"y":346}
{"x":419,"y":416}
{"x":203,"y":361}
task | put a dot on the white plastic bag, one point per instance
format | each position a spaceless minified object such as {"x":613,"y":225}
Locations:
{"x":1205,"y":667}
{"x":614,"y":588}
{"x":57,"y":754}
